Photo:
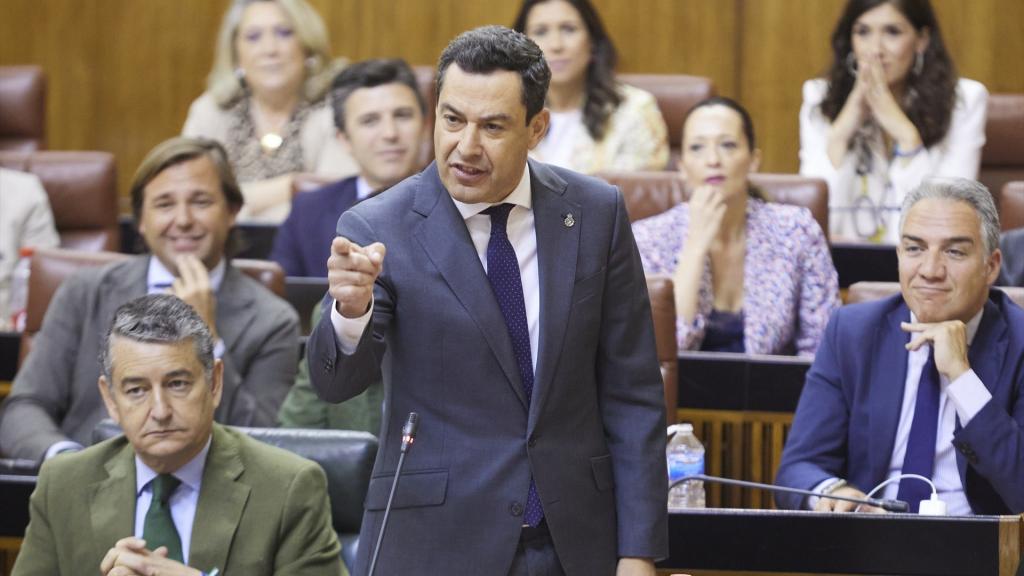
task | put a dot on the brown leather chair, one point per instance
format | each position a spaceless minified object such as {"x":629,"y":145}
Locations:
{"x":52,"y":266}
{"x":867,"y":291}
{"x":650,"y":193}
{"x":22,"y":108}
{"x":1011,"y":205}
{"x":82,"y":188}
{"x":676,"y":94}
{"x":663,"y":310}
{"x":1002,"y":158}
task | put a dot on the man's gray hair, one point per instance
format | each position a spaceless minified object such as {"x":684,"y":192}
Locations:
{"x":964,"y":190}
{"x":158,"y":319}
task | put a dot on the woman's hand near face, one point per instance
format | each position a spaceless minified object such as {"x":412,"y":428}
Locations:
{"x":886,"y":110}
{"x":854,"y":113}
{"x":707,"y":208}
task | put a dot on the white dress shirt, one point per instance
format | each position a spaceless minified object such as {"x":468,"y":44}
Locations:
{"x":183,"y":501}
{"x":959,"y":400}
{"x":521,"y":234}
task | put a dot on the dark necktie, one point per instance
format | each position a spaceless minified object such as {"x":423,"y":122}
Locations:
{"x":159,"y":529}
{"x":920,"y":456}
{"x":503,"y":273}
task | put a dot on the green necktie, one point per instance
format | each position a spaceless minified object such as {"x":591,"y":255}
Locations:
{"x":159,"y":528}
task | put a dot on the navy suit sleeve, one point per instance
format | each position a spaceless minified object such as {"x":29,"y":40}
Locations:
{"x":993,"y":441}
{"x":287,"y":250}
{"x":817,"y":445}
{"x":337,"y":376}
{"x":632,"y":401}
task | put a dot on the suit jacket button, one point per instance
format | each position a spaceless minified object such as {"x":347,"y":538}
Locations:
{"x":516,"y":509}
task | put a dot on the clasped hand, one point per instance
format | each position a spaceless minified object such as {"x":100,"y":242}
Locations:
{"x":351,"y":271}
{"x":129,"y":557}
{"x":871,"y":94}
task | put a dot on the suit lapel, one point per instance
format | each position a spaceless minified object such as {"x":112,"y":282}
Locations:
{"x":557,"y":249}
{"x":234,"y":314}
{"x":111,"y":519}
{"x":222,"y":499}
{"x":888,"y":381}
{"x":445,"y":239}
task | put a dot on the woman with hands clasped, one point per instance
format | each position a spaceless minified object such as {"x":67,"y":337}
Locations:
{"x":750,"y":275}
{"x":891,"y":113}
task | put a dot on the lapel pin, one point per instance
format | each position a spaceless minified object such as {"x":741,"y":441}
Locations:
{"x":569,"y":220}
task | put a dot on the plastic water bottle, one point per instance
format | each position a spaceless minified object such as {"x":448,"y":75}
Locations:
{"x":17,"y":304}
{"x":685,"y":456}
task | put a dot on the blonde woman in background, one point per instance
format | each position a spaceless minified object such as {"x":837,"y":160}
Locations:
{"x":265,"y":102}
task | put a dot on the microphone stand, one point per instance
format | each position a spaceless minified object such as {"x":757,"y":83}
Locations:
{"x":408,"y":437}
{"x":889,"y":505}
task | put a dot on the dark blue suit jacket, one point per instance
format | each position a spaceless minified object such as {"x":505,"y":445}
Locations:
{"x":303,"y":241}
{"x":845,"y":424}
{"x":593,"y":435}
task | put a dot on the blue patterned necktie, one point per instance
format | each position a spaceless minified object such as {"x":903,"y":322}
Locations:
{"x":503,"y":273}
{"x":920,"y":457}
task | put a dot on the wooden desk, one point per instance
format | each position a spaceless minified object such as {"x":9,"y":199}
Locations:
{"x":731,"y":541}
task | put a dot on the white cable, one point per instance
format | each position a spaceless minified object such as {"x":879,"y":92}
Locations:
{"x":897,"y":478}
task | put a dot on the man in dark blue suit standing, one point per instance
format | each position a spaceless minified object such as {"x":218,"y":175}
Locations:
{"x":380,"y":116}
{"x":511,"y":313}
{"x":927,"y":382}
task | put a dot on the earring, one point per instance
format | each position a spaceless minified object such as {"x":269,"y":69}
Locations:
{"x":311,"y":63}
{"x":240,"y":75}
{"x":851,"y":63}
{"x":919,"y":63}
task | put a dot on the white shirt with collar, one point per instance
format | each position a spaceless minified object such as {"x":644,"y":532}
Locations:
{"x":959,"y":400}
{"x":363,"y":189}
{"x":183,"y":501}
{"x":521,"y":234}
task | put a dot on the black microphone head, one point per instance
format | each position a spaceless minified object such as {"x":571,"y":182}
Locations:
{"x":411,"y":424}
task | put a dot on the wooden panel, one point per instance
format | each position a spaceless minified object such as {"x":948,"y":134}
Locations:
{"x":742,"y":446}
{"x":122,"y":72}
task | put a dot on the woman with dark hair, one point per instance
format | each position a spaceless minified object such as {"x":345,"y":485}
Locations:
{"x":750,"y":275}
{"x":597,"y":123}
{"x":891,"y":113}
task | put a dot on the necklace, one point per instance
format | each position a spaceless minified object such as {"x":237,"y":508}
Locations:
{"x":271,"y":141}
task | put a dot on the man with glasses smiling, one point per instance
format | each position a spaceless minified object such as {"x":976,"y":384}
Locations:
{"x":926,"y":382}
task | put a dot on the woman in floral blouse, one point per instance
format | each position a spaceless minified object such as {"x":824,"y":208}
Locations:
{"x":750,"y":275}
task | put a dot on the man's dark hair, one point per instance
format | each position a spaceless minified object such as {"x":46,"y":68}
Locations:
{"x":484,"y":50}
{"x":370,"y":74}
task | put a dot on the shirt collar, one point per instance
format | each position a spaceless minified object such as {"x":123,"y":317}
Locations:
{"x":521,"y":195}
{"x":158,"y":276}
{"x":363,"y":189}
{"x":972,"y":324}
{"x":191,"y":474}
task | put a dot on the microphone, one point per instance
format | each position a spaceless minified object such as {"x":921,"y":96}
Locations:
{"x":408,"y":437}
{"x":889,"y":505}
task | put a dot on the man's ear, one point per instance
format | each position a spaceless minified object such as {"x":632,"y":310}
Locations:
{"x":107,"y":394}
{"x":539,"y":127}
{"x":217,"y":382}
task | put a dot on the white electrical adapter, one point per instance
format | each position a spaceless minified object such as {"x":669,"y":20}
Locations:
{"x":932,"y":506}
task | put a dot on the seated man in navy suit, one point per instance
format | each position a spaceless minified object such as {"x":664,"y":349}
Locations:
{"x":928,"y":381}
{"x":380,"y":116}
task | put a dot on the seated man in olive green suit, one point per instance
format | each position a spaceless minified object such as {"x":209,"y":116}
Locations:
{"x":177,"y":494}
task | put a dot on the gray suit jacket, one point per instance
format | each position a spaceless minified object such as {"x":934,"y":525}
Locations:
{"x":54,"y":396}
{"x":262,"y":511}
{"x":593,"y":435}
